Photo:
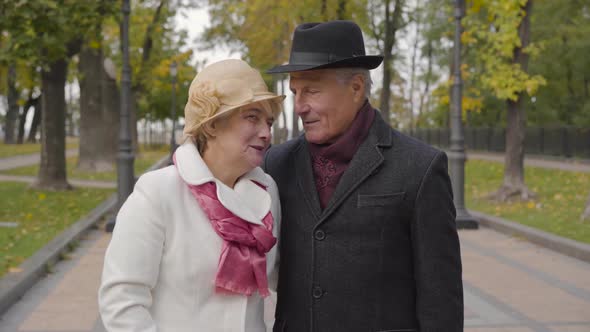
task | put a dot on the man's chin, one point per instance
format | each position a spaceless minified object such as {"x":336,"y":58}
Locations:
{"x":316,"y":139}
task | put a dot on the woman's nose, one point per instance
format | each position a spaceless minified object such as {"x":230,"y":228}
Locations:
{"x":264,"y":132}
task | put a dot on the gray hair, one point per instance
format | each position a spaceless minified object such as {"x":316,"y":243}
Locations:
{"x":344,"y":75}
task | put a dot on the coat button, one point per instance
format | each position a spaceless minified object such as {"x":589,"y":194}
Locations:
{"x":319,"y":235}
{"x":317,"y":292}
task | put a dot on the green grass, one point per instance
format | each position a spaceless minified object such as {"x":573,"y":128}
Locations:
{"x":561,"y":197}
{"x":41,"y":216}
{"x":11,"y":150}
{"x":142,"y":162}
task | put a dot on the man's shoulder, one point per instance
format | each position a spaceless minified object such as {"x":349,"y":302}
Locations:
{"x":411,"y":144}
{"x":412,"y":153}
{"x":280,"y":152}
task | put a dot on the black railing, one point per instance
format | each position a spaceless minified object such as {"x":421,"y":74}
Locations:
{"x":550,"y":141}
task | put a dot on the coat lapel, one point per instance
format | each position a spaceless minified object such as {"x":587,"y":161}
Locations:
{"x":305,"y":179}
{"x":365,"y":161}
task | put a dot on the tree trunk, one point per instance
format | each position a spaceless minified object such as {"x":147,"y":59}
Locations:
{"x":52,"y":172}
{"x":427,"y":85}
{"x":413,"y":66}
{"x":138,"y":85}
{"x":21,"y":125}
{"x":12,"y":112}
{"x":514,"y":185}
{"x":340,"y":15}
{"x":92,"y":155}
{"x":32,"y":138}
{"x":392,"y":23}
{"x":111,"y":103}
{"x":23,"y":116}
{"x":70,"y":114}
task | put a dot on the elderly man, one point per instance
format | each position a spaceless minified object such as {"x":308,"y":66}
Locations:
{"x":368,"y":239}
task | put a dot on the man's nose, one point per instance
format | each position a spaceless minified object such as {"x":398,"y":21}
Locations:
{"x":301,"y":107}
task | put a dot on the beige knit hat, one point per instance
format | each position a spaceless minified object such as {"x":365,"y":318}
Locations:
{"x":222,"y":87}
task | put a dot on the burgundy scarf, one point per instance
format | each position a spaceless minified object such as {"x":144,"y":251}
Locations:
{"x":329,"y":161}
{"x":242,"y":263}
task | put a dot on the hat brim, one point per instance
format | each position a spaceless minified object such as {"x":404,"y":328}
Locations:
{"x":365,"y":61}
{"x":272,"y":98}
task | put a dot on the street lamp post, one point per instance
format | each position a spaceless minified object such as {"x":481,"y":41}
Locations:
{"x":457,"y":146}
{"x":125,"y":157}
{"x":173,"y":72}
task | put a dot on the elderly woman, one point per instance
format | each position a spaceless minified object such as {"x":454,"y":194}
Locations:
{"x":194,"y":246}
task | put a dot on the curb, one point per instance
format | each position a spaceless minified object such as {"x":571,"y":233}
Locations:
{"x":14,"y":285}
{"x":556,"y":243}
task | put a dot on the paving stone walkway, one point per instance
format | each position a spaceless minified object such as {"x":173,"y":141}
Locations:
{"x":510,"y":286}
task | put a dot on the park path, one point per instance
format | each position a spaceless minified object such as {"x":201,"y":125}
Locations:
{"x":27,"y":159}
{"x":510,"y":285}
{"x":33,"y":159}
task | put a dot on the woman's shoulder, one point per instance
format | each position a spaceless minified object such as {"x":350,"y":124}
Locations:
{"x":158,"y":181}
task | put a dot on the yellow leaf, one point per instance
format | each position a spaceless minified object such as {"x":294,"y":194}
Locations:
{"x":14,"y":269}
{"x":42,"y":197}
{"x":530,"y":205}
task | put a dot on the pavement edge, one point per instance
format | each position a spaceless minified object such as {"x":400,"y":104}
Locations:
{"x":556,"y":243}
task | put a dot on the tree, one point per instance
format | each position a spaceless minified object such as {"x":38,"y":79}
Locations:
{"x":49,"y":33}
{"x":97,"y":146}
{"x":12,"y":112}
{"x":503,"y":29}
{"x":262,"y":30}
{"x":384,"y":23}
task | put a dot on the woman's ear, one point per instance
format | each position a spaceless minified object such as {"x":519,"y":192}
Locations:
{"x":210,"y":128}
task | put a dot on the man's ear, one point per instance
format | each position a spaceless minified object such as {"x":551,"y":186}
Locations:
{"x":358,"y":86}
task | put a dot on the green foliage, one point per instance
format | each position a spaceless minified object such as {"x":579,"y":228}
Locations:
{"x":559,"y":69}
{"x":150,"y":76}
{"x":262,"y":30}
{"x":492,"y":26}
{"x":41,"y":31}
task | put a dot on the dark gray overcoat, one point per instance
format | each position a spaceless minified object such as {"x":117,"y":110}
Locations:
{"x":383,"y":255}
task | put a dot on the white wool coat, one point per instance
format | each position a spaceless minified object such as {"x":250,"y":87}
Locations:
{"x":160,"y":265}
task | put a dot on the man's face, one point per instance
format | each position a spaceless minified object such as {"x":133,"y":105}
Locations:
{"x":326,"y":105}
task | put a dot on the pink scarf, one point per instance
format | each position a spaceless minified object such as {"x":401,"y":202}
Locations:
{"x":242,"y":263}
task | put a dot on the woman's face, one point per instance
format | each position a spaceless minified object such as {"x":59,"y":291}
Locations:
{"x":243,"y":137}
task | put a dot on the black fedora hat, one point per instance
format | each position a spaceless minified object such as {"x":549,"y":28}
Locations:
{"x":334,"y":44}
